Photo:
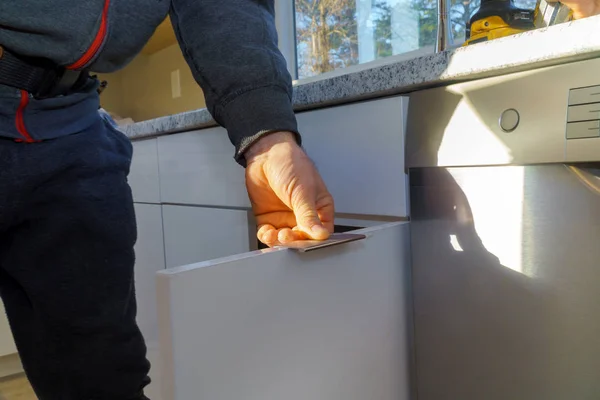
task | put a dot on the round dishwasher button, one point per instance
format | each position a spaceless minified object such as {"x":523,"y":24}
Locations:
{"x":509,"y":120}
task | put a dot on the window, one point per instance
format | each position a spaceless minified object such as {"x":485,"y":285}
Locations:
{"x":335,"y":34}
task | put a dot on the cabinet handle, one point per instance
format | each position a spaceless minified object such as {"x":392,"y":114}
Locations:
{"x":335,"y":239}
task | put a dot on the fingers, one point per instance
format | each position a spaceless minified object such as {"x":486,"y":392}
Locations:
{"x":286,"y":235}
{"x":271,"y":236}
{"x":305,"y":222}
{"x":308,"y":221}
{"x":267,"y":234}
{"x":278,"y":219}
{"x":327,"y":214}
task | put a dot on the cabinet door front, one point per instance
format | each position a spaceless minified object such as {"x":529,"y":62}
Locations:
{"x":330,"y":324}
{"x":195,"y":234}
{"x":7,"y":344}
{"x":359,"y":151}
{"x":150,"y":258}
{"x":198,"y":168}
{"x":143,"y":175}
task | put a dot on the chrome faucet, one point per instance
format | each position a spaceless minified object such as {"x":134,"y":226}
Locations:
{"x":442,"y":26}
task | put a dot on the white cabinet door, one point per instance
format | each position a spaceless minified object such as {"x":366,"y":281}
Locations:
{"x":195,"y":234}
{"x":359,"y":151}
{"x":198,"y":168}
{"x":150,"y":258}
{"x":7,"y":344}
{"x":331,"y":324}
{"x":143,"y":176}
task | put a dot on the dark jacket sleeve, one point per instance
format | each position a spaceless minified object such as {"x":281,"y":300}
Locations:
{"x":231,"y":48}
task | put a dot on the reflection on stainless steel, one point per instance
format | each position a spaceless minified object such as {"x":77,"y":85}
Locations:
{"x":506,"y":265}
{"x":496,"y":209}
{"x":590,"y":177}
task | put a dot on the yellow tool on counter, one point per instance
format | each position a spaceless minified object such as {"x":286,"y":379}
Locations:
{"x":499,"y":18}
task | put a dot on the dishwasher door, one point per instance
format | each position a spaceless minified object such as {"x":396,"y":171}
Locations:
{"x":506,"y":276}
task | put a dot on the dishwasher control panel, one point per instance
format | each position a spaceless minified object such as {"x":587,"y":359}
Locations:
{"x":545,"y":115}
{"x":583,"y":113}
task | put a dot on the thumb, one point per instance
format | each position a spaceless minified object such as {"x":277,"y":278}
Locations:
{"x":308,"y":220}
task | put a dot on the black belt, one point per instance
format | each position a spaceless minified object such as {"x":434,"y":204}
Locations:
{"x":37,"y":76}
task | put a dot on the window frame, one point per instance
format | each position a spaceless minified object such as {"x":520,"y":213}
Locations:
{"x":285,"y":21}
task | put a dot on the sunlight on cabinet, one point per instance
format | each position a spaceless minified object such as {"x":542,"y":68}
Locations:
{"x":275,"y":324}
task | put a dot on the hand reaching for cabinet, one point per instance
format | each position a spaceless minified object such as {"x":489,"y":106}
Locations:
{"x":288,"y":196}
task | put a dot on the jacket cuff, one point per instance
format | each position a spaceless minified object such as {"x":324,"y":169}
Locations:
{"x":256,"y":113}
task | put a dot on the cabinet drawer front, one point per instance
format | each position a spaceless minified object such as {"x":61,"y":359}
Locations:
{"x":7,"y":344}
{"x":277,"y":324}
{"x":143,"y":177}
{"x":194,"y":234}
{"x":359,"y":151}
{"x":198,"y":168}
{"x":150,"y":258}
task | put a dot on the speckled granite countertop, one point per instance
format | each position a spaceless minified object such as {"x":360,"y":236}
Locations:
{"x":574,"y":41}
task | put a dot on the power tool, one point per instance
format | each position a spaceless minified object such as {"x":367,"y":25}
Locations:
{"x":498,"y":18}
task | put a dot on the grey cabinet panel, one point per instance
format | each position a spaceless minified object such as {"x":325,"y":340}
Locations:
{"x":143,"y":177}
{"x":359,"y":151}
{"x":198,"y":168}
{"x":358,"y":148}
{"x":150,"y":258}
{"x":195,"y":234}
{"x":7,"y":344}
{"x":277,"y":324}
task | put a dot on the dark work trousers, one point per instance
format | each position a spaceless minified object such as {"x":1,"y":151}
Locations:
{"x":67,"y":231}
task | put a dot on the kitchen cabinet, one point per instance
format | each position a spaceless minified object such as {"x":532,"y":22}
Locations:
{"x":150,"y":258}
{"x":7,"y":344}
{"x":198,"y":168}
{"x":143,"y":175}
{"x":195,"y":234}
{"x":358,"y":149}
{"x":279,"y":324}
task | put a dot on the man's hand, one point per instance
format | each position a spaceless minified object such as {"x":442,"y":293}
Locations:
{"x":582,"y":8}
{"x":288,"y":196}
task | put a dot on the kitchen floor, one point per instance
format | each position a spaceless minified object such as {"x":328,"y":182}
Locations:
{"x":16,"y":388}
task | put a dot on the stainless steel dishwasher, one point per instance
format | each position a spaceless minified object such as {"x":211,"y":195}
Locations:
{"x":505,"y":231}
